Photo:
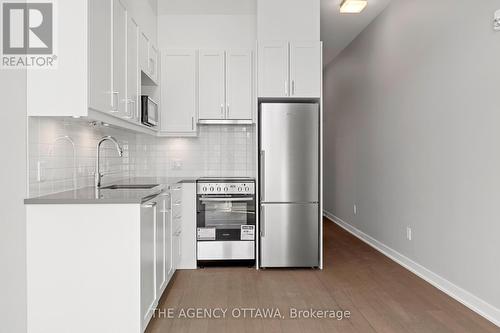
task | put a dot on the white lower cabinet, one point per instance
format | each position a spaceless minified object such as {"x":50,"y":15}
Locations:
{"x":126,"y":255}
{"x":161,"y":249}
{"x":177,"y":248}
{"x":188,"y":227}
{"x":148,"y":260}
{"x":168,"y":242}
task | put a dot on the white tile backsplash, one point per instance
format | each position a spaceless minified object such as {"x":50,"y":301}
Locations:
{"x":62,"y":154}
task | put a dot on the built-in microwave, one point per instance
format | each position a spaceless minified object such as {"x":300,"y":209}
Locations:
{"x":149,"y":111}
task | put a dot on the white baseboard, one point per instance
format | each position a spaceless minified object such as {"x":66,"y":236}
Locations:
{"x":471,"y":301}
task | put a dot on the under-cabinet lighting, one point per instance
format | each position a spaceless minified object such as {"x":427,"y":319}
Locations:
{"x":353,"y":6}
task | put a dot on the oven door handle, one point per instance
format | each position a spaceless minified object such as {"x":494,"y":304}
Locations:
{"x":225,"y":199}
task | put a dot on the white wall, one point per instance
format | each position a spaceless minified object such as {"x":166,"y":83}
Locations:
{"x":207,"y":31}
{"x":12,"y":194}
{"x":288,"y":19}
{"x":218,"y":151}
{"x":412,"y":136}
{"x":64,"y":150}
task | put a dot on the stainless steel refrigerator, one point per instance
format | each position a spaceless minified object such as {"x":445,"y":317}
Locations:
{"x":289,"y":170}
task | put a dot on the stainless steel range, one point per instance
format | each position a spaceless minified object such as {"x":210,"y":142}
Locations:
{"x":225,"y":220}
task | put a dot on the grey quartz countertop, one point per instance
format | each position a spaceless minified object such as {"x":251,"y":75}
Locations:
{"x":89,"y":195}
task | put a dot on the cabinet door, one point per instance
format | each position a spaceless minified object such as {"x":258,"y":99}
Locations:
{"x":239,"y":83}
{"x":273,"y":69}
{"x":100,"y":97}
{"x":153,"y":63}
{"x":144,"y":52}
{"x":169,"y":267}
{"x":148,"y":261}
{"x":177,"y":248}
{"x":160,"y":246}
{"x":305,"y":69}
{"x":211,"y":85}
{"x":132,"y":70}
{"x":178,"y":92}
{"x":119,"y":100}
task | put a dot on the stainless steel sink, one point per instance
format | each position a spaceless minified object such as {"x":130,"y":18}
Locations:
{"x":130,"y":187}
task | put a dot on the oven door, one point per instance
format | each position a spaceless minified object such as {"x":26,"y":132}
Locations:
{"x":226,"y":218}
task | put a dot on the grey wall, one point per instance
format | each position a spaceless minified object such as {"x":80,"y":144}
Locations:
{"x":412,"y":136}
{"x":12,"y":193}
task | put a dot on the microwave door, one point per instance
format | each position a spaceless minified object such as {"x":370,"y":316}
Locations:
{"x":153,"y":113}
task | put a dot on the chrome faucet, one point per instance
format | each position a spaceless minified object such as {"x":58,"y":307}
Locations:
{"x":98,"y":174}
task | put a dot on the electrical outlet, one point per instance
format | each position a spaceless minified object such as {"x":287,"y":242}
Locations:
{"x":408,"y":233}
{"x":177,"y":165}
{"x":496,"y":21}
{"x":355,"y":209}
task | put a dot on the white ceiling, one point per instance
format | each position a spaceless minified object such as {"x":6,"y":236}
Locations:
{"x":339,"y":30}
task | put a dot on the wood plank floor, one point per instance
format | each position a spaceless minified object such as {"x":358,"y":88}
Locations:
{"x":381,"y":296}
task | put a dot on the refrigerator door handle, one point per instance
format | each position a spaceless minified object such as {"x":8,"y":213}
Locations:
{"x":262,"y":174}
{"x":262,"y":229}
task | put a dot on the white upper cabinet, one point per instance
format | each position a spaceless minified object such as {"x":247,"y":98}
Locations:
{"x":305,"y":69}
{"x":132,"y":70}
{"x":225,"y":86}
{"x":144,"y":52}
{"x":148,"y":60}
{"x":273,"y":69}
{"x":119,"y":84}
{"x":179,"y":93}
{"x":100,"y":97}
{"x":153,"y":62}
{"x":239,"y":85}
{"x":290,"y":69}
{"x":211,"y":83}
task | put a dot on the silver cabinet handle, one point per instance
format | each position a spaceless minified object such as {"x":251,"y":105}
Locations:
{"x":222,"y":110}
{"x":192,"y":123}
{"x":227,"y":111}
{"x":286,"y":88}
{"x":262,"y":225}
{"x":114,"y":101}
{"x":262,"y":173}
{"x":293,"y":87}
{"x":129,"y":102}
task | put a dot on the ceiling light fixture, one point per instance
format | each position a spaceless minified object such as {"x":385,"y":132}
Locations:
{"x":353,"y":6}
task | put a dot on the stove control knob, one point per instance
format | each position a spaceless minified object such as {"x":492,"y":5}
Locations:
{"x":204,"y":188}
{"x":239,"y":189}
{"x":218,"y":189}
{"x":211,"y":189}
{"x":225,"y":189}
{"x":247,"y":189}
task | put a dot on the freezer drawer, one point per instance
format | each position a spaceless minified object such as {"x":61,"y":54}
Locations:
{"x":289,"y":235}
{"x":289,"y":152}
{"x":226,"y":250}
